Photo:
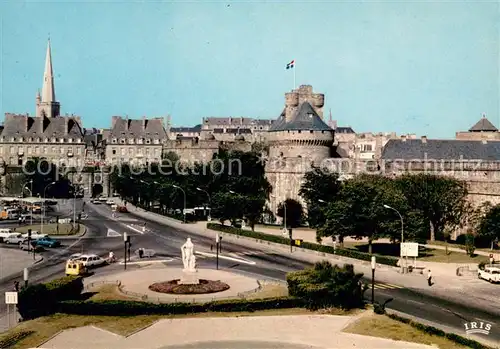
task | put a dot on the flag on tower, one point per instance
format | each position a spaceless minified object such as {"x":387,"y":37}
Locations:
{"x":290,"y":65}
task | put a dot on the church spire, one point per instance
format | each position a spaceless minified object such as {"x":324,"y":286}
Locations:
{"x":48,"y":90}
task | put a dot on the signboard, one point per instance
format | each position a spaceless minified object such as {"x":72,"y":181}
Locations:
{"x":10,"y":297}
{"x":409,"y":249}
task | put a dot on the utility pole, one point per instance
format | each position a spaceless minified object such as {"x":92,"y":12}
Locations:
{"x":217,"y":241}
{"x":125,"y":240}
{"x":373,"y":278}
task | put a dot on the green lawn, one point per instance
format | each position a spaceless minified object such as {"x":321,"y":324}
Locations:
{"x":51,"y":228}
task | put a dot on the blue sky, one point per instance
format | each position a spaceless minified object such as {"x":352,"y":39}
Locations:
{"x":430,"y":68}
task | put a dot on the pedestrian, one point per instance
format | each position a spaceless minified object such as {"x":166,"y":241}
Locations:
{"x":111,"y":257}
{"x":429,"y":278}
{"x":16,"y":286}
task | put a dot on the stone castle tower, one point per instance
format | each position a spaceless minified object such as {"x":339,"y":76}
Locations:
{"x":46,"y":104}
{"x":298,"y":139}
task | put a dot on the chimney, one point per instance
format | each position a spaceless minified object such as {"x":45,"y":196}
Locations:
{"x":424,"y":139}
{"x":484,"y":141}
{"x":144,"y":123}
{"x":127,"y":123}
{"x":403,"y":138}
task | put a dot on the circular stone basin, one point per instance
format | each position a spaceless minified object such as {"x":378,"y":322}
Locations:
{"x":174,"y":287}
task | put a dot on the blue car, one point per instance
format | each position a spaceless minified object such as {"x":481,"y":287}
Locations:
{"x":47,"y":242}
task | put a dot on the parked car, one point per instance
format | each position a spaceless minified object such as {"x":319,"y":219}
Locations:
{"x":35,"y":235}
{"x":95,"y":201}
{"x":110,"y":202}
{"x":47,"y":242}
{"x":91,"y":260}
{"x":5,"y":233}
{"x":491,"y":274}
{"x":14,"y":239}
{"x":75,"y":256}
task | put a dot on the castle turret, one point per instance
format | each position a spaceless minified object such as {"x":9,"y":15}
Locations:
{"x":296,"y":140}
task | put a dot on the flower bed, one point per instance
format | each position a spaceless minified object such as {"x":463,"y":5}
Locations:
{"x":174,"y":287}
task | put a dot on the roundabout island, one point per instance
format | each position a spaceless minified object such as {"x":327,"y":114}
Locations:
{"x":158,"y":283}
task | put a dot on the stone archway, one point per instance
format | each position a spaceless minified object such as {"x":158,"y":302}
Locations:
{"x":97,"y":190}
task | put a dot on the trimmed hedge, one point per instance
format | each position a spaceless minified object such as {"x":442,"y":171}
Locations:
{"x":470,"y":343}
{"x":133,"y":308}
{"x":40,"y":299}
{"x":308,"y":245}
{"x":12,"y":339}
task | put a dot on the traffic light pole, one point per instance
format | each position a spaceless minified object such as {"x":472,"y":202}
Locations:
{"x":125,"y":240}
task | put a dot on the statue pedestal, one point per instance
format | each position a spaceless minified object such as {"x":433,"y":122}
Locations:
{"x":189,"y":277}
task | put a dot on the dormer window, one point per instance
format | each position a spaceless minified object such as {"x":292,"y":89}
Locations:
{"x":78,"y":140}
{"x":148,"y":141}
{"x":46,"y":140}
{"x":113,"y":140}
{"x":21,"y":139}
{"x":131,"y":141}
{"x":156,"y":141}
{"x":30,"y":139}
{"x":70,"y":140}
{"x":122,"y":141}
{"x":61,"y":140}
{"x":53,"y":140}
{"x":139,"y":141}
{"x":12,"y":139}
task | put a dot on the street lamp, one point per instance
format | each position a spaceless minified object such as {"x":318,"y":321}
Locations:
{"x":44,"y":204}
{"x":24,"y":187}
{"x":209,"y":201}
{"x":184,"y":193}
{"x":402,"y":237}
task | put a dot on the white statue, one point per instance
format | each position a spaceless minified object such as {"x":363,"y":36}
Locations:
{"x":188,"y":257}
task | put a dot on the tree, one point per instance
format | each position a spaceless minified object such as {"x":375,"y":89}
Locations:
{"x":441,"y":200}
{"x":319,"y":185}
{"x":489,"y":226}
{"x":359,"y":211}
{"x":294,"y":213}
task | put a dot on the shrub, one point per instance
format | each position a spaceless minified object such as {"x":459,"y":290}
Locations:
{"x":326,"y":285}
{"x":307,"y":245}
{"x":132,"y":308}
{"x":40,"y":299}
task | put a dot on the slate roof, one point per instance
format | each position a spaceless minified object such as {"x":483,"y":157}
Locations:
{"x":182,"y":129}
{"x":437,"y":149}
{"x":347,"y":129}
{"x":483,"y":125}
{"x":305,"y":118}
{"x":137,"y":128}
{"x":19,"y":125}
{"x":239,"y":130}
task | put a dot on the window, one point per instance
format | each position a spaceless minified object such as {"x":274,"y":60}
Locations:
{"x":30,"y":139}
{"x":147,"y":151}
{"x":45,"y":150}
{"x":20,"y":151}
{"x":53,"y":150}
{"x":79,"y":151}
{"x":29,"y":151}
{"x":113,"y":140}
{"x":157,"y":152}
{"x":113,"y":151}
{"x":61,"y":150}
{"x":131,"y":151}
{"x":122,"y":151}
{"x":12,"y":150}
{"x":131,"y":141}
{"x":21,"y":139}
{"x":70,"y":140}
{"x":37,"y":150}
{"x":61,"y":140}
{"x":46,"y":140}
{"x":78,"y":140}
{"x":156,"y":141}
{"x":53,"y":140}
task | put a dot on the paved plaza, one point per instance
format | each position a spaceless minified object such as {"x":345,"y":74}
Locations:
{"x":265,"y":332}
{"x":136,"y":283}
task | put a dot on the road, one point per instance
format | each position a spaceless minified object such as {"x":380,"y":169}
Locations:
{"x":106,"y":234}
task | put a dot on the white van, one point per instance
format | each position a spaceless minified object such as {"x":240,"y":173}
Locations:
{"x":5,"y":232}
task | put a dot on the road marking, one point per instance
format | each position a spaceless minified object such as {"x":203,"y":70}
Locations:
{"x":113,"y":233}
{"x":135,"y":229}
{"x":147,"y":262}
{"x":226,"y":257}
{"x":412,"y":301}
{"x":386,"y":286}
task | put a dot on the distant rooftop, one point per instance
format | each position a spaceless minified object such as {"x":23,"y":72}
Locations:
{"x":483,"y":125}
{"x":305,"y":118}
